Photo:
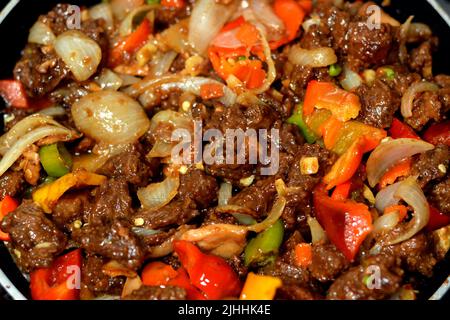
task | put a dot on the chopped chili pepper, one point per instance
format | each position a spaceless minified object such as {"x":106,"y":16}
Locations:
{"x":303,"y":254}
{"x":330,"y":131}
{"x":7,"y":205}
{"x":60,"y":281}
{"x":401,"y":169}
{"x":259,"y":287}
{"x":131,"y":44}
{"x":14,"y":93}
{"x":438,"y":133}
{"x":326,"y":95}
{"x":55,"y":159}
{"x":400,"y":130}
{"x":401,"y":209}
{"x":211,"y":91}
{"x":341,"y":191}
{"x":437,"y":219}
{"x":209,"y":273}
{"x":292,"y":15}
{"x":346,"y":222}
{"x":178,"y":4}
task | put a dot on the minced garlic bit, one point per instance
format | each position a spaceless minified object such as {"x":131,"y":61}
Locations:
{"x":193,"y":65}
{"x":368,"y":194}
{"x":369,"y":76}
{"x":17,"y":253}
{"x":43,"y":245}
{"x":247,"y":181}
{"x":77,"y":224}
{"x":145,"y":53}
{"x":442,"y":168}
{"x":185,"y":106}
{"x":139,"y":222}
{"x":183,"y":169}
{"x":309,"y":165}
{"x":199,"y":166}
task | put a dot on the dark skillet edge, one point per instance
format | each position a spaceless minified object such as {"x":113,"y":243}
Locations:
{"x":13,"y":281}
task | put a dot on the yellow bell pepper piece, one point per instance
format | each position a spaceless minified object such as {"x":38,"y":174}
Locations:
{"x":48,"y":195}
{"x":258,"y":287}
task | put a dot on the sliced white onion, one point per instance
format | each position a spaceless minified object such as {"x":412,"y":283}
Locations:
{"x":386,"y":197}
{"x":157,"y":195}
{"x":385,"y":223}
{"x":224,"y":240}
{"x":161,"y":65}
{"x":263,"y":12}
{"x":79,"y":52}
{"x":403,"y":36}
{"x":110,"y":117}
{"x":109,"y":80}
{"x":207,"y":18}
{"x":410,"y":192}
{"x":144,"y":232}
{"x":131,"y":284}
{"x":225,"y":192}
{"x":184,"y":83}
{"x":121,"y":8}
{"x":315,"y":58}
{"x":273,"y":216}
{"x":14,"y":152}
{"x":351,"y":79}
{"x":166,"y":247}
{"x":314,"y":20}
{"x":126,"y":27}
{"x":22,"y":127}
{"x":388,"y":153}
{"x":317,"y":232}
{"x":410,"y":94}
{"x":103,"y":11}
{"x":55,"y":111}
{"x":176,"y":37}
{"x":127,"y":79}
{"x":41,"y":33}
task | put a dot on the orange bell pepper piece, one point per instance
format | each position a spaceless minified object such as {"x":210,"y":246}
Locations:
{"x":7,"y":205}
{"x":259,"y":287}
{"x":401,"y":169}
{"x":342,"y":191}
{"x":13,"y":92}
{"x":303,"y":254}
{"x":330,"y":131}
{"x":401,"y":209}
{"x":211,"y":91}
{"x":292,"y":15}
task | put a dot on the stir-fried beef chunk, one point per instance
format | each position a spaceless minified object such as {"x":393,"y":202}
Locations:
{"x":199,"y":187}
{"x":34,"y":238}
{"x":327,"y":262}
{"x":440,"y":196}
{"x":157,"y":293}
{"x":71,"y":207}
{"x":96,"y":281}
{"x":431,"y":165}
{"x":11,"y":183}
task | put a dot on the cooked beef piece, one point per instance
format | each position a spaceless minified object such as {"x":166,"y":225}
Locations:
{"x":426,"y":108}
{"x":70,"y":207}
{"x":11,"y":183}
{"x":215,"y":216}
{"x":68,"y":94}
{"x":130,"y":166}
{"x":426,"y":165}
{"x":238,"y":266}
{"x":403,"y":79}
{"x":290,"y":138}
{"x":157,"y":293}
{"x":318,"y":35}
{"x":112,"y":200}
{"x":421,"y":59}
{"x":111,"y":240}
{"x":369,"y":47}
{"x":258,"y":197}
{"x":177,"y":212}
{"x":327,"y":262}
{"x":359,"y":283}
{"x":40,"y":70}
{"x":378,"y":104}
{"x":166,"y":16}
{"x":440,"y":196}
{"x":96,"y":280}
{"x":149,"y":241}
{"x":295,"y":292}
{"x":34,"y":238}
{"x":199,"y":187}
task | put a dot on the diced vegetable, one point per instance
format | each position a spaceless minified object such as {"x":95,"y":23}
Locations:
{"x":262,"y":249}
{"x":438,"y":133}
{"x":309,"y":165}
{"x":55,"y":159}
{"x":401,"y":169}
{"x":14,"y":93}
{"x":211,"y":91}
{"x":297,"y":119}
{"x":341,"y":191}
{"x":292,"y":15}
{"x":389,"y":73}
{"x":259,"y":287}
{"x":400,"y":130}
{"x":346,"y":222}
{"x":437,"y":219}
{"x":177,"y":4}
{"x":334,"y":70}
{"x":303,"y":254}
{"x":7,"y":205}
{"x":401,"y":209}
{"x":59,"y":282}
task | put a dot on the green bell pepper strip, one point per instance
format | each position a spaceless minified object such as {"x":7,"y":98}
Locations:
{"x":55,"y":159}
{"x":297,"y":119}
{"x":262,"y":249}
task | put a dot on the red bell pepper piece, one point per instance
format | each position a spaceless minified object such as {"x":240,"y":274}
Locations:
{"x":342,"y":191}
{"x":437,"y":219}
{"x":209,"y":273}
{"x":55,"y":283}
{"x":438,"y":133}
{"x":132,"y":43}
{"x":161,"y":274}
{"x":14,"y":93}
{"x":7,"y":205}
{"x":307,"y":5}
{"x":399,"y":129}
{"x":343,"y":105}
{"x":292,"y":15}
{"x":346,"y":222}
{"x":211,"y":91}
{"x":401,"y":169}
{"x":177,"y":4}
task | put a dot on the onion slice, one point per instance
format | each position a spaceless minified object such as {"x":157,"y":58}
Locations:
{"x":408,"y":97}
{"x":315,"y":58}
{"x":79,"y":52}
{"x":225,"y":192}
{"x":386,"y":197}
{"x":273,"y":216}
{"x":103,"y":11}
{"x":385,"y":223}
{"x":207,"y":18}
{"x":41,"y":33}
{"x":157,"y":195}
{"x":13,"y":153}
{"x":126,"y":27}
{"x":389,"y":153}
{"x":109,"y":80}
